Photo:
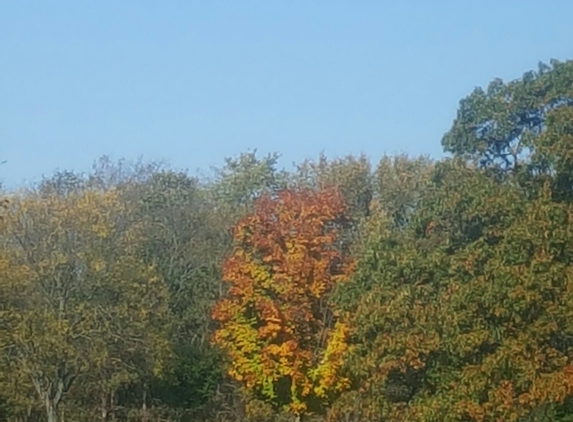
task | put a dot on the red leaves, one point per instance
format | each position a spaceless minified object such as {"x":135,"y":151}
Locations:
{"x":286,"y":261}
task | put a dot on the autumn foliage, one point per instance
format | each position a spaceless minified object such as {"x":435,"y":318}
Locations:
{"x":282,"y":338}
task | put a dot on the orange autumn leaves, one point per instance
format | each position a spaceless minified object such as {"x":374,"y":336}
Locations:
{"x":282,"y":338}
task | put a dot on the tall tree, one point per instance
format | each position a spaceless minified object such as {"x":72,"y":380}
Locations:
{"x":184,"y":241}
{"x":351,"y":176}
{"x":399,"y":185}
{"x":520,"y":127}
{"x":245,"y":178}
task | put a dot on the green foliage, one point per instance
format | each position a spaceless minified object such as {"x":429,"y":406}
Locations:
{"x":523,"y":126}
{"x":447,"y":307}
{"x":463,"y":314}
{"x":245,"y":178}
{"x":184,"y":242}
{"x":351,"y":176}
{"x":192,"y":380}
{"x":400,"y":183}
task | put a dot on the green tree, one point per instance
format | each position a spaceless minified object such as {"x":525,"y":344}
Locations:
{"x":245,"y":178}
{"x":399,"y":186}
{"x":463,"y":313}
{"x":351,"y":176}
{"x":521,"y":127}
{"x":187,"y":246}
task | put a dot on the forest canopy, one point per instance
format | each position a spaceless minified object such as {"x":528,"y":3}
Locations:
{"x":411,"y":289}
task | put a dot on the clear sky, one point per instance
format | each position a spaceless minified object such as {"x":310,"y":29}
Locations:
{"x":196,"y":81}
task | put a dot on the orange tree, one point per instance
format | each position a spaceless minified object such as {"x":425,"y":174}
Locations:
{"x":284,"y":341}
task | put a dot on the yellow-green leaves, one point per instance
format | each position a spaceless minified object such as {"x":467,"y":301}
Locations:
{"x":79,"y":301}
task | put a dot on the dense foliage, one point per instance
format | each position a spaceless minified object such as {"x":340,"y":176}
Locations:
{"x":417,"y":290}
{"x":276,"y":325}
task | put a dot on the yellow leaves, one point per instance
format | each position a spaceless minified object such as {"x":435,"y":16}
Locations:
{"x":270,"y":331}
{"x":76,"y":285}
{"x":98,"y":265}
{"x":273,"y":316}
{"x":327,"y":373}
{"x":100,"y":230}
{"x":297,"y":407}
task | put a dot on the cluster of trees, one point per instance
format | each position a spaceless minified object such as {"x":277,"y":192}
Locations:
{"x":415,"y":290}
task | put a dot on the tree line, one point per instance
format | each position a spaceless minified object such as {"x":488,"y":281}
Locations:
{"x":409,"y":290}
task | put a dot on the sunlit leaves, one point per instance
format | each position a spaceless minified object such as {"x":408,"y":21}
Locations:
{"x":275,"y":322}
{"x":79,"y":301}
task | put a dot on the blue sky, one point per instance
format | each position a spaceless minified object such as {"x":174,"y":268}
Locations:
{"x":195,"y":81}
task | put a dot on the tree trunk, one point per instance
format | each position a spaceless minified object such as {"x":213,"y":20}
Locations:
{"x":52,"y":395}
{"x":144,"y":416}
{"x":51,"y":410}
{"x":112,"y":405}
{"x":103,"y":408}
